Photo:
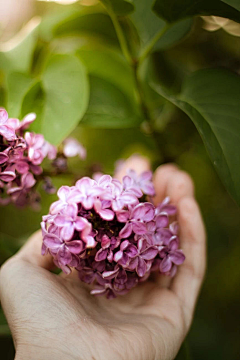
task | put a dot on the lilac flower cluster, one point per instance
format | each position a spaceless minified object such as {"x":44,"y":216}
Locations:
{"x":110,"y":234}
{"x":21,"y":154}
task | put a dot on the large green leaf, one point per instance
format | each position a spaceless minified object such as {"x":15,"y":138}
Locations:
{"x":61,"y":97}
{"x":109,"y":107}
{"x":98,"y":24}
{"x":17,"y":86}
{"x":174,"y":10}
{"x":109,"y":65}
{"x":16,"y":54}
{"x":211,"y":100}
{"x":148,"y":25}
{"x":51,"y":20}
{"x":120,"y":7}
{"x":34,"y":101}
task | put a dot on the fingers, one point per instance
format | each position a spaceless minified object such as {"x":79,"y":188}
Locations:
{"x":187,"y":283}
{"x":179,"y":186}
{"x":169,"y":181}
{"x":31,"y":252}
{"x":135,"y":162}
{"x":161,"y":178}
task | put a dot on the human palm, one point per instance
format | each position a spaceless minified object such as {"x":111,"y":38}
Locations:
{"x":55,"y":317}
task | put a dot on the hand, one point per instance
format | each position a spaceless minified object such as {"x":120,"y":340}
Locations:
{"x":55,"y":317}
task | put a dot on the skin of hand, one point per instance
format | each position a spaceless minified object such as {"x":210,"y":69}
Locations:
{"x":55,"y":317}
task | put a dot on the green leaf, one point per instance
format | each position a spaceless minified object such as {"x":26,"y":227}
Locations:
{"x":211,"y":99}
{"x":119,"y":7}
{"x":97,"y":24}
{"x":34,"y":101}
{"x":109,"y":107}
{"x":61,"y":98}
{"x":52,"y":20}
{"x":174,"y":10}
{"x":233,"y":3}
{"x":17,"y":86}
{"x":17,"y":53}
{"x":109,"y":65}
{"x":149,"y":25}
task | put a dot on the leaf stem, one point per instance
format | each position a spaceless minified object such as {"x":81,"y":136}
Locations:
{"x":151,"y":44}
{"x":135,"y":65}
{"x":144,"y":108}
{"x":121,"y":37}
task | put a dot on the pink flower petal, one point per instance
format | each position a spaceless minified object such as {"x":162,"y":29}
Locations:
{"x":89,"y":240}
{"x":177,"y":257}
{"x":105,"y":180}
{"x":72,"y":211}
{"x":105,"y":242}
{"x":110,"y":274}
{"x":162,"y":220}
{"x":163,"y":236}
{"x":144,"y":211}
{"x":131,"y":250}
{"x":28,"y":180}
{"x":165,"y":264}
{"x":118,"y":256}
{"x":27,"y":120}
{"x":67,"y":231}
{"x":3,"y":116}
{"x":3,"y":158}
{"x":133,"y":263}
{"x":61,"y":220}
{"x":126,"y":231}
{"x":74,"y":246}
{"x":139,"y":228}
{"x":57,"y":206}
{"x":128,"y":198}
{"x":22,"y":167}
{"x":107,"y":214}
{"x":174,"y":243}
{"x":149,"y":253}
{"x":63,"y":192}
{"x":51,"y":241}
{"x":170,"y":210}
{"x":101,"y":255}
{"x":80,"y":223}
{"x":174,"y":227}
{"x":148,"y":189}
{"x":64,"y":256}
{"x":142,"y":267}
{"x":123,"y":216}
{"x":146,"y":176}
{"x":75,"y":261}
{"x":7,"y":132}
{"x":7,"y":176}
{"x":88,"y":203}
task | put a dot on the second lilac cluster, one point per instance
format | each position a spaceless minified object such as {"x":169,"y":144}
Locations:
{"x":21,"y":156}
{"x":110,"y":234}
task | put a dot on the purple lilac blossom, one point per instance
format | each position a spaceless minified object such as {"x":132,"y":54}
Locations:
{"x":71,"y":148}
{"x":106,"y":231}
{"x":21,"y":156}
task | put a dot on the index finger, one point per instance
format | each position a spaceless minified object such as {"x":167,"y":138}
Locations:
{"x":31,"y":252}
{"x":188,"y":280}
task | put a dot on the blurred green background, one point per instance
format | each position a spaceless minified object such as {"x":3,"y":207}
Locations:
{"x":207,"y":42}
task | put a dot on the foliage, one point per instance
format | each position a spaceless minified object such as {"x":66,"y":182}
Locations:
{"x":55,"y":73}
